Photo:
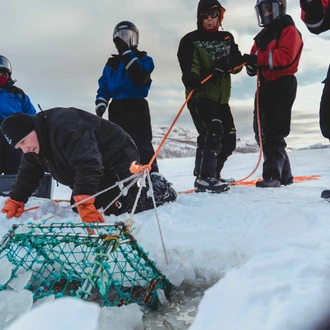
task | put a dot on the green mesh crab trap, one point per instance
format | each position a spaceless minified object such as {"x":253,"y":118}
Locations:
{"x":106,"y":266}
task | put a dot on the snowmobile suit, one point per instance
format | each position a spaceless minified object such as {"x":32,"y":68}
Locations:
{"x":12,"y":99}
{"x":317,"y":20}
{"x":278,"y":47}
{"x":126,"y":80}
{"x":316,"y":16}
{"x":198,"y":54}
{"x":81,"y":151}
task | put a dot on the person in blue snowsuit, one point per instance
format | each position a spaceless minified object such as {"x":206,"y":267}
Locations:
{"x":126,"y":80}
{"x":12,"y":100}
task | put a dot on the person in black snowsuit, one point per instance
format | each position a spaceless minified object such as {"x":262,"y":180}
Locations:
{"x":79,"y":150}
{"x":316,"y":15}
{"x":12,"y":99}
{"x":275,"y":54}
{"x":126,"y":80}
{"x":201,"y":53}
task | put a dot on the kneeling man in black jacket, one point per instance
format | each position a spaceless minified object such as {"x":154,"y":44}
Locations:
{"x":82,"y":151}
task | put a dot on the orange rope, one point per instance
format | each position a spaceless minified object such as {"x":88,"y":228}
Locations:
{"x":31,"y":208}
{"x":237,"y":67}
{"x":54,"y":200}
{"x":251,"y":183}
{"x":137,"y":168}
{"x":306,"y":178}
{"x":296,"y":179}
{"x":260,"y":135}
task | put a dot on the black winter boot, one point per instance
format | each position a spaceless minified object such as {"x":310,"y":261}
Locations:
{"x":268,"y":183}
{"x":229,"y":180}
{"x":287,"y":182}
{"x":212,"y":185}
{"x":326,"y":195}
{"x":163,"y":190}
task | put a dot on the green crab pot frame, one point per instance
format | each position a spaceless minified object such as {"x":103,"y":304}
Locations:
{"x":107,"y":266}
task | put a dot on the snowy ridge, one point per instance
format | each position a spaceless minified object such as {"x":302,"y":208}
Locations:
{"x":181,"y":143}
{"x":316,"y":146}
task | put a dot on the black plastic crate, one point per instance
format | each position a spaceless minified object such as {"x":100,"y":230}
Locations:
{"x":44,"y":190}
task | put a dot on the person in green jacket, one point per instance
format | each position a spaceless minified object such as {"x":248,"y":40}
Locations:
{"x":201,"y":53}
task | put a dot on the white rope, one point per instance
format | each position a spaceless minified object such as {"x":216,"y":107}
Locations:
{"x":158,"y":222}
{"x":119,"y":183}
{"x":123,"y":191}
{"x":130,"y":220}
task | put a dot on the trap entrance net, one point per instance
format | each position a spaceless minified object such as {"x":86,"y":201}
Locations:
{"x":107,"y":267}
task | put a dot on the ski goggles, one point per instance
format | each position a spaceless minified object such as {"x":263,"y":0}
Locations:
{"x":212,"y":14}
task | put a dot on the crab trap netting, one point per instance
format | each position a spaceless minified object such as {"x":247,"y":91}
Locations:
{"x":107,"y":266}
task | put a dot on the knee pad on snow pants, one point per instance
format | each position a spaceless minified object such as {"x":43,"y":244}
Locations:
{"x":214,"y":136}
{"x":209,"y":147}
{"x":211,"y":139}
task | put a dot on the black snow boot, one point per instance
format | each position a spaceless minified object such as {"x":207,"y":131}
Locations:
{"x":326,"y":195}
{"x":287,"y":182}
{"x":268,"y":183}
{"x":229,"y":180}
{"x":163,"y":190}
{"x":212,"y":185}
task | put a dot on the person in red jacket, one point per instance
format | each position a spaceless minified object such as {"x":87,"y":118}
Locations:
{"x":275,"y":56}
{"x":316,"y":15}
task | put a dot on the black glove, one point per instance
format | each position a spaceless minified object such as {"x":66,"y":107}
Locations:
{"x":250,"y":60}
{"x":221,"y":68}
{"x":121,"y":45}
{"x":314,"y":11}
{"x":310,"y":5}
{"x":250,"y":63}
{"x":192,"y":81}
{"x":100,"y":110}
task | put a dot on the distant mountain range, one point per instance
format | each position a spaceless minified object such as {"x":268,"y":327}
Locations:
{"x":181,"y":143}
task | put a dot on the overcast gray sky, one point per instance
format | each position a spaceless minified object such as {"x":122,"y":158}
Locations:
{"x":58,"y":50}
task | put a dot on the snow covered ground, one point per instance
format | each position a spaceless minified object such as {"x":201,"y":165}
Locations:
{"x":246,"y":259}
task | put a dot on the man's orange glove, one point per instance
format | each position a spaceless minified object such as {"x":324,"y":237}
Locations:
{"x":13,"y":208}
{"x":87,"y":210}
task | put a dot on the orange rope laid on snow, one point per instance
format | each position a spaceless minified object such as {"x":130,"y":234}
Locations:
{"x":252,"y":183}
{"x":296,"y":179}
{"x":31,"y":208}
{"x":54,"y":200}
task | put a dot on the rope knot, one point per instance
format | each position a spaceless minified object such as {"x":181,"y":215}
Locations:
{"x":135,"y":168}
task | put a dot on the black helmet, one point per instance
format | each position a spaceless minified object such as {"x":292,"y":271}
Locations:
{"x":5,"y":65}
{"x":128,"y":32}
{"x":207,"y":6}
{"x":269,"y":10}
